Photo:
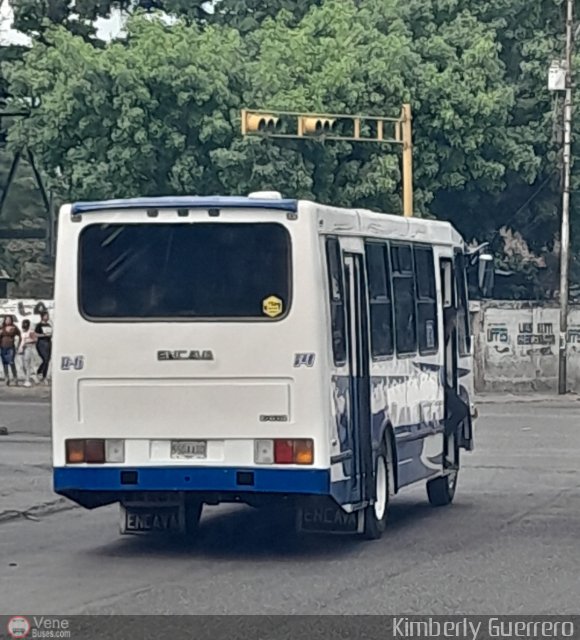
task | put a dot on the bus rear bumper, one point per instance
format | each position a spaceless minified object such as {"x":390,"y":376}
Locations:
{"x":110,"y":484}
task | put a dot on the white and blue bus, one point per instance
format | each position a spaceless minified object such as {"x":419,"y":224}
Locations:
{"x":259,"y":350}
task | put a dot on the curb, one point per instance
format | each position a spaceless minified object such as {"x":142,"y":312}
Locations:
{"x":38,"y":511}
{"x":24,"y":396}
{"x":566,"y":401}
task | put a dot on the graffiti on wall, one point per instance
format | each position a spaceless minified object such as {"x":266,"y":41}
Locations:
{"x":539,"y":340}
{"x":20,"y":309}
{"x":574,"y":337}
{"x":527,"y":338}
{"x":498,"y":337}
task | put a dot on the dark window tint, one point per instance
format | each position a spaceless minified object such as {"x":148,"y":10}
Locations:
{"x":402,"y":258}
{"x":194,"y":271}
{"x":404,"y":300}
{"x":381,"y":309}
{"x":337,"y":308}
{"x":426,"y":300}
{"x":463,"y":329}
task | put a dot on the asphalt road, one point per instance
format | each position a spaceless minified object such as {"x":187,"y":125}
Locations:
{"x":509,"y":544}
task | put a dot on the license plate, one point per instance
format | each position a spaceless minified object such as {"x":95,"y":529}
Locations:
{"x":149,"y":520}
{"x":188,"y":449}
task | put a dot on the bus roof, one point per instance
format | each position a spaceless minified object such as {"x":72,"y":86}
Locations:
{"x":186,"y":202}
{"x":344,"y":220}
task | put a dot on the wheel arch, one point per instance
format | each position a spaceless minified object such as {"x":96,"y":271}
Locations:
{"x":388,"y":435}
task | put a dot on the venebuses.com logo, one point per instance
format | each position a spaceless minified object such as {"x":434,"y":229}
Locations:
{"x":18,"y":627}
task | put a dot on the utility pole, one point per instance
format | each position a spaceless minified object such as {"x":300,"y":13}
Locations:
{"x":565,"y":232}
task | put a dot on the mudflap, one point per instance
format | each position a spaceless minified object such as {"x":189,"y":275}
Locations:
{"x":466,"y":433}
{"x":150,"y":513}
{"x":324,"y":515}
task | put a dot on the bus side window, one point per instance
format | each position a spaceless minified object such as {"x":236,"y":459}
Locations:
{"x":381,"y":308}
{"x":337,"y":309}
{"x":463,"y":332}
{"x":404,"y":299}
{"x":426,"y":300}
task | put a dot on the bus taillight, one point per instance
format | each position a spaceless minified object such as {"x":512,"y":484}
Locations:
{"x":75,"y":451}
{"x":94,"y":451}
{"x":284,"y":451}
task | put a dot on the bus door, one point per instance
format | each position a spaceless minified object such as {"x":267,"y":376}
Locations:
{"x":453,"y":296}
{"x":450,"y":345}
{"x":357,"y":328}
{"x":464,"y":347}
{"x":449,"y":342}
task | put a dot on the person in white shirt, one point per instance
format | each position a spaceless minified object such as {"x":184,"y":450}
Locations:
{"x":26,"y":350}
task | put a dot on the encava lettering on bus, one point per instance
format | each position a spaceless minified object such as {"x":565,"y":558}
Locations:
{"x":185,"y":355}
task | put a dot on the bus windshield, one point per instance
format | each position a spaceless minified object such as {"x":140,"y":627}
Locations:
{"x":150,"y":271}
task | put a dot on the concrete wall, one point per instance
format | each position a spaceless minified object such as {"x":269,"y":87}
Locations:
{"x":517,"y":343}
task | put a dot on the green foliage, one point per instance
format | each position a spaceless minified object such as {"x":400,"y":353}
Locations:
{"x":132,"y":119}
{"x":36,"y":17}
{"x":158,"y":111}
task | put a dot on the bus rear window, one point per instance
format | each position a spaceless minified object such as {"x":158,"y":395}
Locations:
{"x":189,"y":271}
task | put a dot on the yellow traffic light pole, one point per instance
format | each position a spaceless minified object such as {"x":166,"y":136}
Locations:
{"x":407,"y":161}
{"x":322,"y":126}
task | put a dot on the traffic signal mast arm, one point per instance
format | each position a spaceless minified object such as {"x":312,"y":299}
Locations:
{"x":295,"y":125}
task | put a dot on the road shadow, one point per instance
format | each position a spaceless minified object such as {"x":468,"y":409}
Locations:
{"x":244,"y":533}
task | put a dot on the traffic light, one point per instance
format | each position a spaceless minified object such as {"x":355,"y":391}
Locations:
{"x":260,"y":123}
{"x":310,"y":126}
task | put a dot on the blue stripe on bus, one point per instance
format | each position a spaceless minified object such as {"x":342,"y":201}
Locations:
{"x":186,"y":202}
{"x":305,"y":481}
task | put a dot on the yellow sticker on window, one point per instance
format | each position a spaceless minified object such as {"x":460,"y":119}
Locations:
{"x":272,"y":306}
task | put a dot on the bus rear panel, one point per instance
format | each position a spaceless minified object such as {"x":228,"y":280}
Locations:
{"x":188,"y":356}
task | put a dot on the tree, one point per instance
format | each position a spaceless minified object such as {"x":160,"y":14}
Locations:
{"x":36,"y":17}
{"x":133,"y":119}
{"x":158,"y":111}
{"x":339,"y":57}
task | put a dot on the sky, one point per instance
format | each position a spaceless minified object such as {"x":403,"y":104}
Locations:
{"x":106,"y":28}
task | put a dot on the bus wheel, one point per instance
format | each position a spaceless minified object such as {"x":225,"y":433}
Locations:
{"x":441,"y":491}
{"x":376,"y":514}
{"x":193,"y":511}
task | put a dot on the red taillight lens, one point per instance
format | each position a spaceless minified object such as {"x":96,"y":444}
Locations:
{"x":293,"y":452}
{"x":75,"y":451}
{"x":95,"y":451}
{"x":283,"y":452}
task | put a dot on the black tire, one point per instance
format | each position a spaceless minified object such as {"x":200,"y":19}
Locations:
{"x":193,"y":511}
{"x":376,"y":515}
{"x":441,"y":490}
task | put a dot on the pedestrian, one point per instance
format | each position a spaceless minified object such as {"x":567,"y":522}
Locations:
{"x":26,"y":350}
{"x":43,"y":333}
{"x":9,"y":337}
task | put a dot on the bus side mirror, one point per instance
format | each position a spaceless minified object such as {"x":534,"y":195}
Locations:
{"x":485,"y":275}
